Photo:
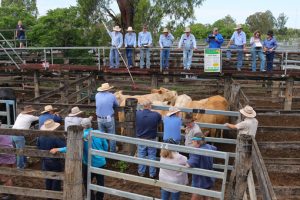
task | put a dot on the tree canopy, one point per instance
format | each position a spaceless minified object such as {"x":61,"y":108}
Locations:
{"x":262,"y":21}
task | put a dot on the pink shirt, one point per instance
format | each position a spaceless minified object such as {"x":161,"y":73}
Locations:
{"x":6,"y":142}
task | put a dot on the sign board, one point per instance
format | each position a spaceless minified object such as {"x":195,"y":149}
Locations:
{"x":212,"y":60}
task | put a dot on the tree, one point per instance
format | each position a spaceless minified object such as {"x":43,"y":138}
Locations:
{"x":226,"y":26}
{"x":262,"y":21}
{"x":28,"y":5}
{"x":280,"y":24}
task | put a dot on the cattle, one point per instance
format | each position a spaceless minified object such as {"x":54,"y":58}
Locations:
{"x":168,"y":95}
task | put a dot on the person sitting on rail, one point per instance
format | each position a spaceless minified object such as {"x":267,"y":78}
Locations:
{"x":49,"y":113}
{"x":191,"y":129}
{"x":270,"y":45}
{"x":257,"y":49}
{"x":116,"y":43}
{"x":74,"y":118}
{"x":165,"y":42}
{"x":172,"y":157}
{"x":130,"y":44}
{"x":188,"y":44}
{"x":215,"y":40}
{"x":20,"y":33}
{"x":144,"y":43}
{"x":203,"y":162}
{"x":172,"y":125}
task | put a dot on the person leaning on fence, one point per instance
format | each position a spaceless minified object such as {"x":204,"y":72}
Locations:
{"x":47,"y":142}
{"x":49,"y":113}
{"x":105,"y":104}
{"x":270,"y":45}
{"x":165,"y":42}
{"x":23,"y":121}
{"x":249,"y":124}
{"x":116,"y":43}
{"x":190,"y":129}
{"x":188,"y":44}
{"x":97,"y":161}
{"x":144,"y":43}
{"x":238,"y":39}
{"x":175,"y":158}
{"x":202,"y":162}
{"x":130,"y":44}
{"x":172,"y":125}
{"x":147,"y":122}
{"x":20,"y":33}
{"x":74,"y":118}
{"x":257,"y":49}
{"x":215,"y":39}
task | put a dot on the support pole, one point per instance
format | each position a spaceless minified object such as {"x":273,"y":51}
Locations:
{"x":36,"y":85}
{"x":154,"y":81}
{"x":227,"y":87}
{"x":288,"y":94}
{"x":78,"y":87}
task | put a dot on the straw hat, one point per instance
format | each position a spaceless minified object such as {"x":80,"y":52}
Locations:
{"x":116,"y":28}
{"x":187,"y":30}
{"x":239,"y":26}
{"x":75,"y":111}
{"x":248,"y":111}
{"x":50,"y":125}
{"x":28,"y":109}
{"x":86,"y":122}
{"x":129,"y":29}
{"x":172,"y":111}
{"x":104,"y":87}
{"x":48,"y":108}
{"x":165,"y":30}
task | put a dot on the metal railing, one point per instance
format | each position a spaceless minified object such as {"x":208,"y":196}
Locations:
{"x":9,"y":108}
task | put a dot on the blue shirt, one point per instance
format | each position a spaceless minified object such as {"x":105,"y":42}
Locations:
{"x":172,"y":127}
{"x":212,"y":43}
{"x":188,"y":42}
{"x":203,"y":162}
{"x":105,"y":103}
{"x":238,"y":39}
{"x":147,"y":122}
{"x":166,"y":41}
{"x":271,"y":43}
{"x":116,"y":39}
{"x":45,"y":116}
{"x":19,"y":31}
{"x":144,"y":38}
{"x":130,"y":39}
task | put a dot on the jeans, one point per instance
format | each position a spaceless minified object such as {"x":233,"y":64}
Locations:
{"x":270,"y":58}
{"x":142,"y":56}
{"x":187,"y":58}
{"x":164,"y":58}
{"x":108,"y":127}
{"x":100,"y":181}
{"x":20,"y":144}
{"x":143,"y":151}
{"x":254,"y":53}
{"x":53,"y":165}
{"x":165,"y":195}
{"x":114,"y":60}
{"x":129,"y":55}
{"x":240,"y":54}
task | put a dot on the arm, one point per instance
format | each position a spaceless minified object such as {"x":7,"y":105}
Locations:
{"x":231,"y":126}
{"x":139,"y":41}
{"x":160,"y":42}
{"x":171,"y":37}
{"x":194,"y":43}
{"x":125,"y":40}
{"x":150,"y":39}
{"x":275,"y":44}
{"x":230,"y":41}
{"x":244,"y":41}
{"x":180,"y":42}
{"x":251,"y":41}
{"x":105,"y":144}
{"x":134,"y":43}
{"x":219,"y":39}
{"x":120,"y":38}
{"x":61,"y":150}
{"x":57,"y":118}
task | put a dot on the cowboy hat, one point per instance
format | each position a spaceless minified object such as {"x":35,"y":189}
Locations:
{"x":104,"y":87}
{"x":48,"y":108}
{"x":239,"y":26}
{"x":75,"y":111}
{"x":28,"y":109}
{"x":117,"y":28}
{"x":187,"y":30}
{"x":165,"y":30}
{"x":129,"y":29}
{"x":50,"y":125}
{"x":172,"y":111}
{"x":248,"y":111}
{"x":86,"y":122}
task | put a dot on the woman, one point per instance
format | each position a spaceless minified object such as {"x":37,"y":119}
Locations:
{"x":270,"y":44}
{"x":257,"y":49}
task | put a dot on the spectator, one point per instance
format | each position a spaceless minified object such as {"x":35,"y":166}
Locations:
{"x":238,"y":39}
{"x":23,"y":121}
{"x":203,"y":162}
{"x":130,"y":44}
{"x":188,"y":43}
{"x":116,"y":43}
{"x":172,"y":157}
{"x":256,"y":49}
{"x":74,"y":118}
{"x":49,"y":113}
{"x":144,"y":43}
{"x":147,"y":123}
{"x":172,"y":125}
{"x":215,"y":40}
{"x":165,"y":42}
{"x":20,"y":33}
{"x":191,"y":129}
{"x":105,"y":104}
{"x":270,"y":45}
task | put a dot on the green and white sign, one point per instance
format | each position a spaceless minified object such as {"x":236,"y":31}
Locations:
{"x":212,"y":60}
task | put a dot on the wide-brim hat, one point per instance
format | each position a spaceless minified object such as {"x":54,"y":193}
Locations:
{"x":50,"y":125}
{"x":117,"y":28}
{"x":172,"y":111}
{"x":165,"y":30}
{"x":28,"y":109}
{"x":86,"y":122}
{"x":104,"y":87}
{"x":75,"y":111}
{"x":239,"y":26}
{"x":48,"y":108}
{"x":187,"y":30}
{"x":129,"y":29}
{"x":248,"y":111}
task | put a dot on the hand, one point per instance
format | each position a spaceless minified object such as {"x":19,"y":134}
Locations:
{"x":226,"y":124}
{"x":54,"y":150}
{"x":270,"y":50}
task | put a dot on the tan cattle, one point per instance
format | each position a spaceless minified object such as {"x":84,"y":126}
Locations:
{"x":168,"y":95}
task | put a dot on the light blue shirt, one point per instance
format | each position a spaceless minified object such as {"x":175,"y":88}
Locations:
{"x":187,"y":42}
{"x":238,"y":39}
{"x":116,"y":39}
{"x":144,"y":38}
{"x":270,"y":43}
{"x":105,"y":103}
{"x":172,"y":127}
{"x":166,"y":41}
{"x":130,"y":39}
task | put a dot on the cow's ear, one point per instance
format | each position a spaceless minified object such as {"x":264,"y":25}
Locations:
{"x":159,"y":91}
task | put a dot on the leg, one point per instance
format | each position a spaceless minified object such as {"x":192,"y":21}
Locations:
{"x":110,"y":126}
{"x":20,"y":144}
{"x":152,"y":156}
{"x":228,"y":51}
{"x":84,"y":176}
{"x":262,"y":60}
{"x":100,"y":182}
{"x":165,"y":195}
{"x":117,"y":57}
{"x":175,"y":195}
{"x":162,"y":59}
{"x":167,"y":58}
{"x":189,"y":59}
{"x":111,"y":58}
{"x":101,"y":125}
{"x":185,"y":52}
{"x":142,"y":55}
{"x":129,"y":56}
{"x":271,"y":61}
{"x":142,"y":152}
{"x":240,"y":57}
{"x":253,"y":55}
{"x":148,"y":58}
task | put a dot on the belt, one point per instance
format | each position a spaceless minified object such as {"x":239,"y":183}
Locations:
{"x":104,"y":117}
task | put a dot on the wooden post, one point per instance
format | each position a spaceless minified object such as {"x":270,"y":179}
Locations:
{"x":36,"y":85}
{"x":78,"y":87}
{"x":129,"y":128}
{"x":288,"y":94}
{"x":89,"y":90}
{"x":154,"y":82}
{"x":64,"y":93}
{"x":275,"y":91}
{"x":234,"y":97}
{"x":73,"y":165}
{"x":227,"y":87}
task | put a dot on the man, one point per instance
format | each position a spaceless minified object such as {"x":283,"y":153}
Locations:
{"x":49,"y":113}
{"x":23,"y":121}
{"x":191,"y":129}
{"x":249,"y":125}
{"x":215,"y":40}
{"x":270,"y":44}
{"x":238,"y":39}
{"x":165,"y":42}
{"x":116,"y":43}
{"x":130,"y":44}
{"x":105,"y":104}
{"x":75,"y":118}
{"x":147,"y":123}
{"x":188,"y":43}
{"x":144,"y":43}
{"x":20,"y":33}
{"x":172,"y":125}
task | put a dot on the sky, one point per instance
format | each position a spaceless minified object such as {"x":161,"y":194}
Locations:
{"x":211,"y":10}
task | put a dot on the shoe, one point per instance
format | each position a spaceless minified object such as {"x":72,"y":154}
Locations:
{"x":130,"y":66}
{"x":263,"y":70}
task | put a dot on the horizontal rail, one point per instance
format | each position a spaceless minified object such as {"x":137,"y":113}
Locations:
{"x":32,"y":153}
{"x":26,"y":132}
{"x":215,"y":126}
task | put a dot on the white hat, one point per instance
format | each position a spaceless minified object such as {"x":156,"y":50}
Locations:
{"x":248,"y":111}
{"x":129,"y":29}
{"x":86,"y":122}
{"x":187,"y":30}
{"x":50,"y":125}
{"x":239,"y":26}
{"x":104,"y":87}
{"x":117,"y":28}
{"x":165,"y":30}
{"x":75,"y":111}
{"x":172,"y":110}
{"x":48,"y":108}
{"x":28,"y":109}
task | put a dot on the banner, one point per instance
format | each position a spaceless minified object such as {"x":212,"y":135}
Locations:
{"x":212,"y":60}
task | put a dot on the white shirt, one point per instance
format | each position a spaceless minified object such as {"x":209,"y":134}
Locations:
{"x":24,"y":121}
{"x":248,"y":126}
{"x":69,"y":121}
{"x":189,"y":134}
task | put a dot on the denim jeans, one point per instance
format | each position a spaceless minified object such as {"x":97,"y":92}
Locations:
{"x":108,"y":127}
{"x":143,"y":151}
{"x":254,"y":53}
{"x":240,"y":54}
{"x":164,"y":58}
{"x":129,"y":55}
{"x":100,"y":182}
{"x":20,"y":144}
{"x":114,"y":60}
{"x":53,"y":165}
{"x":187,"y":58}
{"x":165,"y":195}
{"x":270,"y":58}
{"x":144,"y":51}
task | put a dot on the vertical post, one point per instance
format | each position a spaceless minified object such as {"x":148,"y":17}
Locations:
{"x":64,"y":93}
{"x":234,"y":96}
{"x":73,"y":165}
{"x":288,"y":94}
{"x":78,"y":87}
{"x":154,"y":82}
{"x":36,"y":85}
{"x":275,"y":90}
{"x":99,"y":60}
{"x":89,"y":89}
{"x":227,"y":87}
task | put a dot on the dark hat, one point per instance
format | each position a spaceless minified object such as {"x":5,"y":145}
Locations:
{"x":270,"y":33}
{"x":188,"y":118}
